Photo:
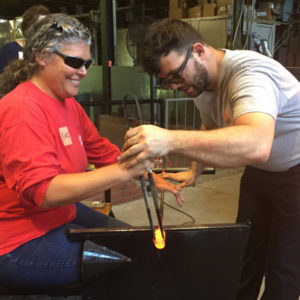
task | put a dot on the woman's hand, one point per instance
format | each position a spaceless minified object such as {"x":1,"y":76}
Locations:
{"x":187,"y":178}
{"x":164,"y":185}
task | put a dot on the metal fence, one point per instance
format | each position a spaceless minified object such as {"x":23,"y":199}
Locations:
{"x":179,"y":113}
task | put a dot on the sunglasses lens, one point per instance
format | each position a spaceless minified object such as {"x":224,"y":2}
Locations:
{"x":88,"y":63}
{"x":74,"y":62}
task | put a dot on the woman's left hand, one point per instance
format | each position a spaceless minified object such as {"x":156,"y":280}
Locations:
{"x":164,"y":185}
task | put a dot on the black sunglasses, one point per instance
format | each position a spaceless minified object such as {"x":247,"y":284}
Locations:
{"x":176,"y":79}
{"x":74,"y":61}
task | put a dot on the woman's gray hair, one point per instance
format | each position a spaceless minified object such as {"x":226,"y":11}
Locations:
{"x":44,"y":37}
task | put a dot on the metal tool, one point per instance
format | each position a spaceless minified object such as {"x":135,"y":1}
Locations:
{"x":150,"y":176}
{"x":155,"y":201}
{"x":147,"y":203}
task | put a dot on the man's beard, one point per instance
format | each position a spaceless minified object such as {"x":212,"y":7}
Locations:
{"x":201,"y":79}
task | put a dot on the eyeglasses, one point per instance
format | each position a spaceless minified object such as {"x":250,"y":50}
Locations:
{"x":74,"y":61}
{"x":176,"y":79}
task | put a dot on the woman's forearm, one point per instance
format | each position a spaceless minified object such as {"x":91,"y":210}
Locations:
{"x":65,"y":189}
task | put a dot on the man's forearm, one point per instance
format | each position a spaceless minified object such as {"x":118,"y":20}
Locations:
{"x":248,"y":142}
{"x":227,"y":147}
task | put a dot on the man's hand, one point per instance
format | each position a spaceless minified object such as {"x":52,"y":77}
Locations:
{"x":144,"y":142}
{"x":187,"y":178}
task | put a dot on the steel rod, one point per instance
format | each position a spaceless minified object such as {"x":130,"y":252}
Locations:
{"x":146,"y":198}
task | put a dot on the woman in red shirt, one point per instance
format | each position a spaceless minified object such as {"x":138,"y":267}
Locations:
{"x":46,"y":143}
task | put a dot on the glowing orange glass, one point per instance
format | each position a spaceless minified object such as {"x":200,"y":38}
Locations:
{"x":159,"y":241}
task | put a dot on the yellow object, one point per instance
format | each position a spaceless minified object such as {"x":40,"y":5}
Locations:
{"x":159,"y":241}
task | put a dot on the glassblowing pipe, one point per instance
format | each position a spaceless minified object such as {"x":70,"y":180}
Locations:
{"x":155,"y":200}
{"x":146,"y":198}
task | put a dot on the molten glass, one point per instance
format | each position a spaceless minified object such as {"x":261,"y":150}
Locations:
{"x":159,"y":241}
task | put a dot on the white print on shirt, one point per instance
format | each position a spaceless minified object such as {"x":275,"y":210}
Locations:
{"x":80,"y":139}
{"x":65,"y":136}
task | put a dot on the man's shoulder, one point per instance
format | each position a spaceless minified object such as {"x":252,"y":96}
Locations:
{"x":244,"y":55}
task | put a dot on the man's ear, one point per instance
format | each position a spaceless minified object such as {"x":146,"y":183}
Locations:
{"x":199,"y":50}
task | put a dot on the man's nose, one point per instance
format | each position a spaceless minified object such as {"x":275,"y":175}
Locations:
{"x":174,"y":86}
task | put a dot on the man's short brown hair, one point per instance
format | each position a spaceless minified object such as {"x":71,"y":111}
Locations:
{"x":163,"y":36}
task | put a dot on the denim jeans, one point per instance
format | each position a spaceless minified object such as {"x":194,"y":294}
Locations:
{"x":51,"y":259}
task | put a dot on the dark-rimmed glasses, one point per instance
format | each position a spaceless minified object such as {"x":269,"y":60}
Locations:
{"x":74,"y":61}
{"x":176,"y":79}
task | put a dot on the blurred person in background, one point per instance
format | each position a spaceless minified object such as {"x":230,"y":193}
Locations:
{"x":14,"y":50}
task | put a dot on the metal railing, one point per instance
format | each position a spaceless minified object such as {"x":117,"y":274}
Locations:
{"x":181,"y":113}
{"x":181,"y":118}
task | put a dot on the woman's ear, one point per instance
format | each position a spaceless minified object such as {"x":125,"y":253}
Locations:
{"x":40,"y":59}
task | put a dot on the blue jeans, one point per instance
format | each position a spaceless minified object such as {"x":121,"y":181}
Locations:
{"x":51,"y":259}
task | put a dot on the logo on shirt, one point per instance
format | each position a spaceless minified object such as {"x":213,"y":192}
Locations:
{"x":65,"y":136}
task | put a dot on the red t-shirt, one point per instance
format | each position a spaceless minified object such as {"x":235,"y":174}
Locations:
{"x":40,"y":138}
